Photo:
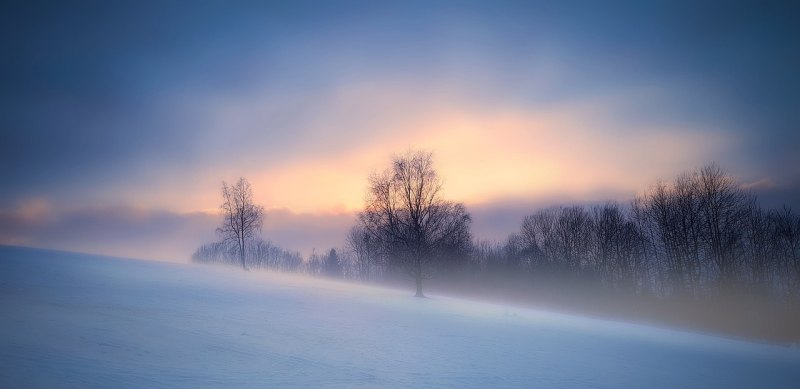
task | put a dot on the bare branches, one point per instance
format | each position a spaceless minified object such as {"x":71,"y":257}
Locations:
{"x":407,"y":218}
{"x":242,"y":219}
{"x":366,"y":250}
{"x":698,"y":236}
{"x":708,"y":235}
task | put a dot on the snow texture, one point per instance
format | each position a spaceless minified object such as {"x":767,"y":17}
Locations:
{"x":73,"y":320}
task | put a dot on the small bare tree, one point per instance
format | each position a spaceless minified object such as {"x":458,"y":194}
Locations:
{"x":364,"y":247}
{"x":405,"y":212}
{"x":242,"y":218}
{"x":723,"y":206}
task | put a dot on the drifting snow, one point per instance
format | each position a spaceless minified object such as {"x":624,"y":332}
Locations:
{"x":78,"y":320}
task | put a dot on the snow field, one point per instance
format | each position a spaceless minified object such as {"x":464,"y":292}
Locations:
{"x":73,"y":320}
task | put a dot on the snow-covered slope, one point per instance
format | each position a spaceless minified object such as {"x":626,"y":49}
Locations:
{"x":71,"y":320}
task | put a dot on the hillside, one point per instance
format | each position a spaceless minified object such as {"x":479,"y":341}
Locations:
{"x":73,"y":320}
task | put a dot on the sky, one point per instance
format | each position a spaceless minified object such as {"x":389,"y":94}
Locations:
{"x":120,"y":120}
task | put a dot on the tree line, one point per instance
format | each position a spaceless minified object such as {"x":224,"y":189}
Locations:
{"x":260,"y":254}
{"x":697,"y":236}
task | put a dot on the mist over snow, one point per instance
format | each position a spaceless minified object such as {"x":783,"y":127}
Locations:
{"x":74,"y":320}
{"x":632,"y":161}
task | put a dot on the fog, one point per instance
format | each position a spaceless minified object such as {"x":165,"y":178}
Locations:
{"x":399,"y":194}
{"x":88,"y":321}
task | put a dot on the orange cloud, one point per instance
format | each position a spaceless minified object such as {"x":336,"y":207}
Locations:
{"x":491,"y":155}
{"x":484,"y":151}
{"x":34,"y":211}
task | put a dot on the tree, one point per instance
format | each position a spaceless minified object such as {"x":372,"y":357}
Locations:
{"x":759,"y":257}
{"x":786,"y":242}
{"x":537,"y":235}
{"x":573,"y":237}
{"x":315,"y":265}
{"x":365,"y":249}
{"x":723,"y":206}
{"x":242,"y":218}
{"x":260,"y":254}
{"x":333,"y":267}
{"x":405,"y":212}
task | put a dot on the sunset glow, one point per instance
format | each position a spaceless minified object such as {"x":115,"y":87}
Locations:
{"x":522,"y":106}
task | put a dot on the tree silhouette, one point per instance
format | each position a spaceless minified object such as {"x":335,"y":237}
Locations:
{"x":242,"y":218}
{"x":366,"y":251}
{"x":405,"y":212}
{"x":333,"y":267}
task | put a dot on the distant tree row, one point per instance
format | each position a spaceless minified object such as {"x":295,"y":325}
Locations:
{"x":260,"y":255}
{"x":239,"y":244}
{"x":704,"y":234}
{"x":699,"y":236}
{"x":329,"y":265}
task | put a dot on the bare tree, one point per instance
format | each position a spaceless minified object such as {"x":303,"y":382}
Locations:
{"x":757,"y":245}
{"x":487,"y":255}
{"x":405,"y":212}
{"x":242,"y":218}
{"x":364,"y":247}
{"x":608,"y":224}
{"x":618,"y":248}
{"x":538,"y":235}
{"x":573,"y":234}
{"x":260,"y":254}
{"x":333,"y":265}
{"x":723,"y":206}
{"x":670,"y":216}
{"x":786,"y":242}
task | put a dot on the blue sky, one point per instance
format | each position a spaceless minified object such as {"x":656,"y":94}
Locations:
{"x":120,"y":120}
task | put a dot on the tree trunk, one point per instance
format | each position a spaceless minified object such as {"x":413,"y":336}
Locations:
{"x":419,"y":287}
{"x":241,"y":255}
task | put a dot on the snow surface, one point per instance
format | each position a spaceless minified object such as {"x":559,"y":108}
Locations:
{"x":73,"y":320}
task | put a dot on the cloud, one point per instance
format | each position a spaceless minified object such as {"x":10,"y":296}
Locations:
{"x":221,"y":92}
{"x":147,"y":233}
{"x":483,"y":150}
{"x":156,"y":234}
{"x":126,"y":118}
{"x":307,"y":231}
{"x":122,"y":231}
{"x":763,"y":184}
